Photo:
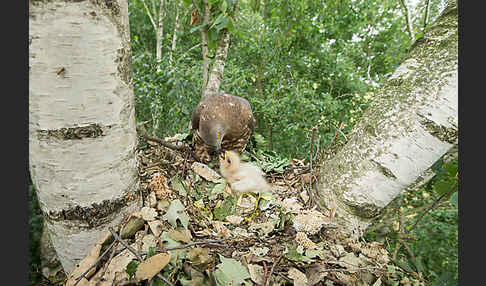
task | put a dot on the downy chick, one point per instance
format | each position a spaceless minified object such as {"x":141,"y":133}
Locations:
{"x":242,"y":177}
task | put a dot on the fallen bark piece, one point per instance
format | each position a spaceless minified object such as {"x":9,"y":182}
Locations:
{"x":205,"y":172}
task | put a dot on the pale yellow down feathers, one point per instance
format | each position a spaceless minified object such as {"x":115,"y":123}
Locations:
{"x":242,"y":177}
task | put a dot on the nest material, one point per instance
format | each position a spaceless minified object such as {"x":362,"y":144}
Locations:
{"x":278,"y":240}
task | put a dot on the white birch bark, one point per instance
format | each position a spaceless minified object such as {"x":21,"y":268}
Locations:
{"x":174,"y":35}
{"x":82,"y":135}
{"x":160,"y":34}
{"x":205,"y":45}
{"x":412,"y":122}
{"x":217,"y":70}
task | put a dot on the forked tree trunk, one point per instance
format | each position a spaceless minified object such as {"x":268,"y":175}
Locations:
{"x":412,"y":122}
{"x":82,"y":136}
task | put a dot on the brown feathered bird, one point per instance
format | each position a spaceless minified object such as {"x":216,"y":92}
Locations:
{"x":221,"y":122}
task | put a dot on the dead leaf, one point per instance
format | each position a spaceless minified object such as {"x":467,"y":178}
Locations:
{"x":198,"y":256}
{"x":179,"y":235}
{"x":148,"y":214}
{"x":299,"y":278}
{"x":291,"y":205}
{"x":256,"y":273}
{"x":234,"y":219}
{"x":156,"y":227}
{"x":150,"y":267}
{"x":116,"y":269}
{"x":86,"y":263}
{"x":193,"y":17}
{"x":220,"y":229}
{"x":315,"y":274}
{"x":311,"y":221}
{"x":134,"y":224}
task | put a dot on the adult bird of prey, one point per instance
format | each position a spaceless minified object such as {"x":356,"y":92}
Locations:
{"x":221,"y":122}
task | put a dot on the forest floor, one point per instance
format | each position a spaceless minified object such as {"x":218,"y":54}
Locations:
{"x":193,"y":232}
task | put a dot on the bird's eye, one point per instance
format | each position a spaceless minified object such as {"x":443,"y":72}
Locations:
{"x":228,"y":160}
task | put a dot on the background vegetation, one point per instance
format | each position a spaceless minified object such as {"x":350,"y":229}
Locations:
{"x":300,"y":63}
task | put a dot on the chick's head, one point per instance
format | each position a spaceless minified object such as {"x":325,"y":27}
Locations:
{"x":229,"y":162}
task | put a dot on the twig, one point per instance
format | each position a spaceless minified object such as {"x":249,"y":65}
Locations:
{"x":94,"y":264}
{"x":349,"y":270}
{"x":431,"y":207}
{"x":192,"y":244}
{"x":137,"y":255}
{"x":108,"y":262}
{"x":144,"y":133}
{"x":387,"y":221}
{"x":271,"y":270}
{"x":265,"y":272}
{"x":311,"y":196}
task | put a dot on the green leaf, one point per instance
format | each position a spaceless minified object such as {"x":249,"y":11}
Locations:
{"x":226,"y":209}
{"x":217,"y":189}
{"x":150,"y":252}
{"x":177,"y":185}
{"x":223,"y":6}
{"x":223,"y":24}
{"x":176,"y":212}
{"x":195,"y":28}
{"x":453,"y":199}
{"x":293,"y":254}
{"x":230,"y":272}
{"x":131,"y":268}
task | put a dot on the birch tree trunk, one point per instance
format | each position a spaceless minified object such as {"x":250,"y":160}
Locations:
{"x":217,"y":70}
{"x":159,"y":31}
{"x":412,"y":122}
{"x":82,"y":136}
{"x":205,"y":45}
{"x":176,"y":30}
{"x":213,"y":74}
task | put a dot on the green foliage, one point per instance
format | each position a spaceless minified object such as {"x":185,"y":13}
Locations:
{"x":35,"y":234}
{"x":436,"y":247}
{"x":132,"y":268}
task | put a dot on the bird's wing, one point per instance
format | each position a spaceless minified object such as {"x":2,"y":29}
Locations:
{"x":195,"y":117}
{"x":246,"y":110}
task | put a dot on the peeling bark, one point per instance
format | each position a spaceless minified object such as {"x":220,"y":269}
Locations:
{"x":82,"y":135}
{"x":412,"y":122}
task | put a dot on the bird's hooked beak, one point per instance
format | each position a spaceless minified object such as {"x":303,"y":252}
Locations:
{"x":219,"y":137}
